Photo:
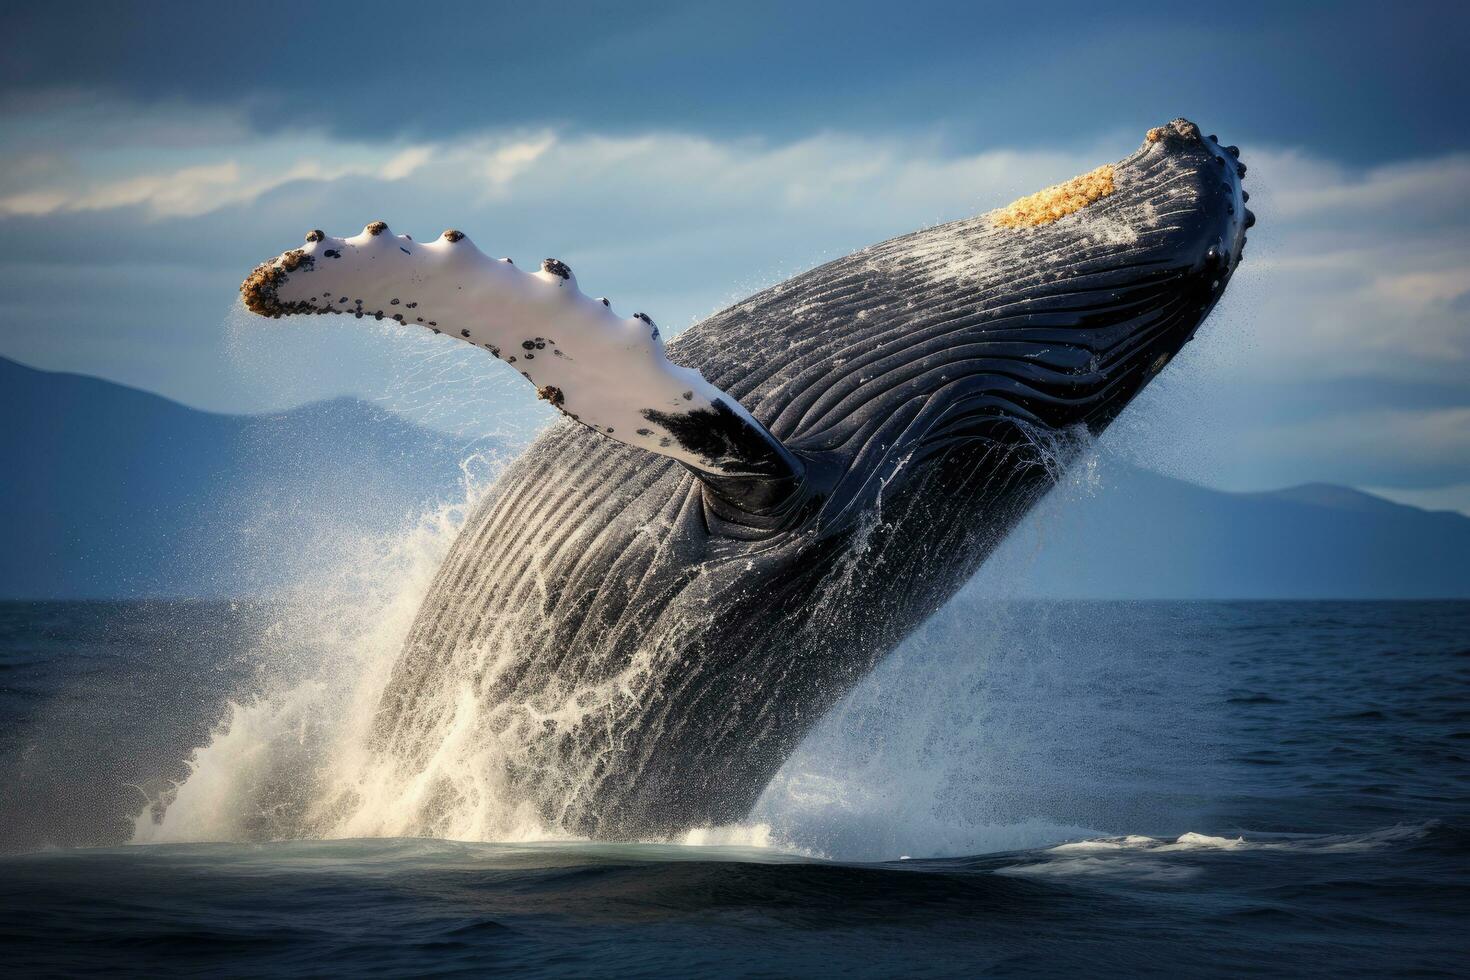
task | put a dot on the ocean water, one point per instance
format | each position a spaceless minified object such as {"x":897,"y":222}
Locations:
{"x":1022,"y":788}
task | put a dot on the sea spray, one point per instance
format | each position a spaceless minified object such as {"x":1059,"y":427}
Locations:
{"x":1003,"y":724}
{"x":301,"y":758}
{"x":279,"y":754}
{"x":294,"y":757}
{"x":428,"y":379}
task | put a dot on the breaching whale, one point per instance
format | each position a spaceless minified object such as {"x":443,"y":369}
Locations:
{"x":659,"y":597}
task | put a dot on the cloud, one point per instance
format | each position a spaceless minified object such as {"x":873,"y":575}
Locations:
{"x":1412,"y":191}
{"x":1368,"y":271}
{"x":1356,"y":282}
{"x":1450,"y":497}
{"x":1380,"y":445}
{"x":193,"y":191}
{"x":859,"y":179}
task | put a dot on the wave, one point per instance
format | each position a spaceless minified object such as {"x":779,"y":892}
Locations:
{"x":1162,"y":859}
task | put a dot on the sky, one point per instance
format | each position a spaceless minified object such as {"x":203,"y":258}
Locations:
{"x":682,"y":156}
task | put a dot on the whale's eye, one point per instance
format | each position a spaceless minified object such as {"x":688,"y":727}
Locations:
{"x":1057,"y":201}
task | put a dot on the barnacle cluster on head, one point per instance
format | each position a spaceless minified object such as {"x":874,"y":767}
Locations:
{"x":260,"y":288}
{"x":1179,"y":129}
{"x":1057,"y":201}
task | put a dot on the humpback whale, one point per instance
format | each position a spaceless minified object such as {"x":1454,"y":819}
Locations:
{"x":665,"y":591}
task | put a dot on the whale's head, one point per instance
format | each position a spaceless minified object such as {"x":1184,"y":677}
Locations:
{"x":931,"y":358}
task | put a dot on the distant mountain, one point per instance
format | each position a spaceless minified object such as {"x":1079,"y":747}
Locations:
{"x":1126,"y":533}
{"x":112,"y":492}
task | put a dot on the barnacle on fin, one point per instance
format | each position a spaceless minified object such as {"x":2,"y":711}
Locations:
{"x":259,"y":288}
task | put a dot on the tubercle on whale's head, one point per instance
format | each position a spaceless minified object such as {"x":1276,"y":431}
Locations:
{"x":1209,"y":240}
{"x":1221,"y":213}
{"x":1218,"y":168}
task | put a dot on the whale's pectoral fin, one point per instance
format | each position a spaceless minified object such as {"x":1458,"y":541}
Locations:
{"x":607,"y":372}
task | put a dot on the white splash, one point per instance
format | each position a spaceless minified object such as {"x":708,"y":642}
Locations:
{"x":1141,"y":858}
{"x":295,"y":760}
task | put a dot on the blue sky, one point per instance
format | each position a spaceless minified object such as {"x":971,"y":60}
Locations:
{"x":680,"y":156}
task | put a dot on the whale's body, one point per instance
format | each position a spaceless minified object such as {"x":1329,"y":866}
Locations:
{"x":647,"y":644}
{"x":602,"y":575}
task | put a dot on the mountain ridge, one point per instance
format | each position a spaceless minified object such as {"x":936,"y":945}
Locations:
{"x":119,"y":493}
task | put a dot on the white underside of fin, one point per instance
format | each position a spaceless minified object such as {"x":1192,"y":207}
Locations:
{"x":602,"y":370}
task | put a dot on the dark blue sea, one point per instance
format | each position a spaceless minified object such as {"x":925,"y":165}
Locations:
{"x":1024,"y":788}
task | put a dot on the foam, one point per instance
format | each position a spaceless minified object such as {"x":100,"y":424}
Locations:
{"x":1144,"y":858}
